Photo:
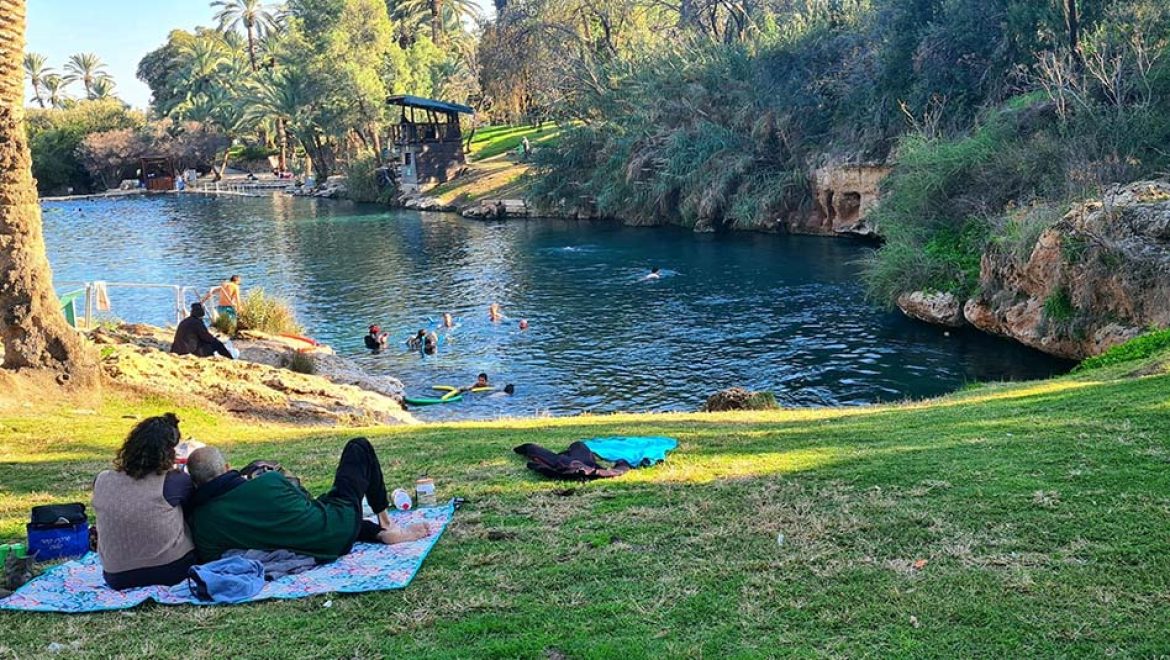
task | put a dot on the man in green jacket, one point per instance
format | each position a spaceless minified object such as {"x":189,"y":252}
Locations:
{"x":271,"y":512}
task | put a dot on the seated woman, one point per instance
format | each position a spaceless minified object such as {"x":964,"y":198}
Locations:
{"x":143,"y":538}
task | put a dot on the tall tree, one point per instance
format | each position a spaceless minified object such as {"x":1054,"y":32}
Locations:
{"x":33,"y":330}
{"x":255,"y":17}
{"x":35,"y":70}
{"x":55,"y":90}
{"x":103,"y":88}
{"x":86,"y":67}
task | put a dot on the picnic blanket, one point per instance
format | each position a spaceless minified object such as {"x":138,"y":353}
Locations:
{"x":77,"y":586}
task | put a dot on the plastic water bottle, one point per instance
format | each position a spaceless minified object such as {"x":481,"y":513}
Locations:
{"x":401,"y":499}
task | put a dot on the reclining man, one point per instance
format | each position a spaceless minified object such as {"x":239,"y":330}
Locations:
{"x":271,"y":512}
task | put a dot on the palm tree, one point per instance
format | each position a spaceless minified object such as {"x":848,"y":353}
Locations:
{"x":55,"y":90}
{"x":256,"y":18}
{"x":33,"y":331}
{"x":87,"y":68}
{"x":103,"y":88}
{"x":35,"y":70}
{"x":441,"y":15}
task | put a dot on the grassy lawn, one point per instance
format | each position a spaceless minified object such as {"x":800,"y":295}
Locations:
{"x":1007,"y":520}
{"x":495,"y":140}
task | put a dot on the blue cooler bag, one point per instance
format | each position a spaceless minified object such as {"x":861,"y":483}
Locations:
{"x":58,"y":531}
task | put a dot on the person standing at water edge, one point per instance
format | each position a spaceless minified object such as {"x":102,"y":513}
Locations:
{"x":228,"y":300}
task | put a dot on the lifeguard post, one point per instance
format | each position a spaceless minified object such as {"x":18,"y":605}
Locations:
{"x":157,"y":173}
{"x":428,"y":141}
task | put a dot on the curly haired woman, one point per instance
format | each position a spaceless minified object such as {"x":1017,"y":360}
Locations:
{"x":143,"y":538}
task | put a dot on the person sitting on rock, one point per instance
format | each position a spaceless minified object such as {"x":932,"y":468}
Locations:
{"x":376,"y":340}
{"x":143,"y":538}
{"x":272,"y":512}
{"x":193,"y":338}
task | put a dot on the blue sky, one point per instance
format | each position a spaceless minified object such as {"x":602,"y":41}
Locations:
{"x":118,"y":31}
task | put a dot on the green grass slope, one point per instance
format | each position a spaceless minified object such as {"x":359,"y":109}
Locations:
{"x":1009,"y":520}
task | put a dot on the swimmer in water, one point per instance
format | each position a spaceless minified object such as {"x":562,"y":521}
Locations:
{"x":376,"y":340}
{"x":508,"y":390}
{"x":494,"y":314}
{"x":448,"y":321}
{"x":654,"y":274}
{"x":416,"y":342}
{"x":523,"y":324}
{"x":430,"y":343}
{"x":480,"y":381}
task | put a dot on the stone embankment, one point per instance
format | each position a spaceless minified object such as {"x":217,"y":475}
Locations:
{"x":260,"y":384}
{"x":1096,"y":278}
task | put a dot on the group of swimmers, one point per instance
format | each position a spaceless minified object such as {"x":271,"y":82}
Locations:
{"x":427,"y":343}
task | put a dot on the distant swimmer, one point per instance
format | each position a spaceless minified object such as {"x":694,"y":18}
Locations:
{"x":523,"y":324}
{"x":376,"y":340}
{"x":508,"y":390}
{"x":448,"y":320}
{"x":494,"y":314}
{"x":653,"y":275}
{"x":430,"y":343}
{"x":415,"y":343}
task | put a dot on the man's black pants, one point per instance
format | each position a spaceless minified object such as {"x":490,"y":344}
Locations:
{"x":360,"y":475}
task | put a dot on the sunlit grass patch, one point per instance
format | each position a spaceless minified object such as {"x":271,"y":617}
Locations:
{"x":1007,"y":520}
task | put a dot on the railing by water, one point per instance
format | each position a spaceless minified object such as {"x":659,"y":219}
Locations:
{"x":93,"y":290}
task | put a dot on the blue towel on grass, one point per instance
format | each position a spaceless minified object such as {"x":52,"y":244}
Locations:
{"x":227,"y":580}
{"x":638,"y":451}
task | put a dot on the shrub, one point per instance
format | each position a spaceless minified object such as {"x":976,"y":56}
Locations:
{"x":1138,"y":348}
{"x":269,"y":314}
{"x":362,"y":184}
{"x":1058,"y":307}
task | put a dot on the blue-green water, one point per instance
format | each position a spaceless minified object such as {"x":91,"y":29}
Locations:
{"x":782,"y":313}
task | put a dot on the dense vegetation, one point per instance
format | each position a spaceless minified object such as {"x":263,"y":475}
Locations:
{"x":1023,"y":520}
{"x":300,"y":86}
{"x":995,"y":112}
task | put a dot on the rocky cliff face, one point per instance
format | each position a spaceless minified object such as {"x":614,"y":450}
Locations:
{"x":845,"y":194}
{"x":1098,"y":277}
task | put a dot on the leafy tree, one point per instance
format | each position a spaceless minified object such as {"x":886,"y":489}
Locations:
{"x":54,"y":136}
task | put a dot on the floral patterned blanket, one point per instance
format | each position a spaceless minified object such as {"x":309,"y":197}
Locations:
{"x":77,"y":586}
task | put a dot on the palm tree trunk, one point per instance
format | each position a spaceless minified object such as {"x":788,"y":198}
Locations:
{"x":436,"y":21}
{"x":33,"y":331}
{"x":252,"y":49}
{"x":37,"y":93}
{"x":282,"y":135}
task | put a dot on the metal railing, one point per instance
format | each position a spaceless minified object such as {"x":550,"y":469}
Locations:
{"x":180,"y":292}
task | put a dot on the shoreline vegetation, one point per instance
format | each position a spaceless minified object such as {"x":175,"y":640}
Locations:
{"x":1014,"y":519}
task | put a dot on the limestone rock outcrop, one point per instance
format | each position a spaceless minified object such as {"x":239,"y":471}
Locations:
{"x":845,"y":194}
{"x":1098,"y":277}
{"x":937,"y":308}
{"x":257,"y":385}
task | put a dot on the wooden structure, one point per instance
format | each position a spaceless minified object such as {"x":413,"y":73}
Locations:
{"x":428,"y":142}
{"x":157,"y":173}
